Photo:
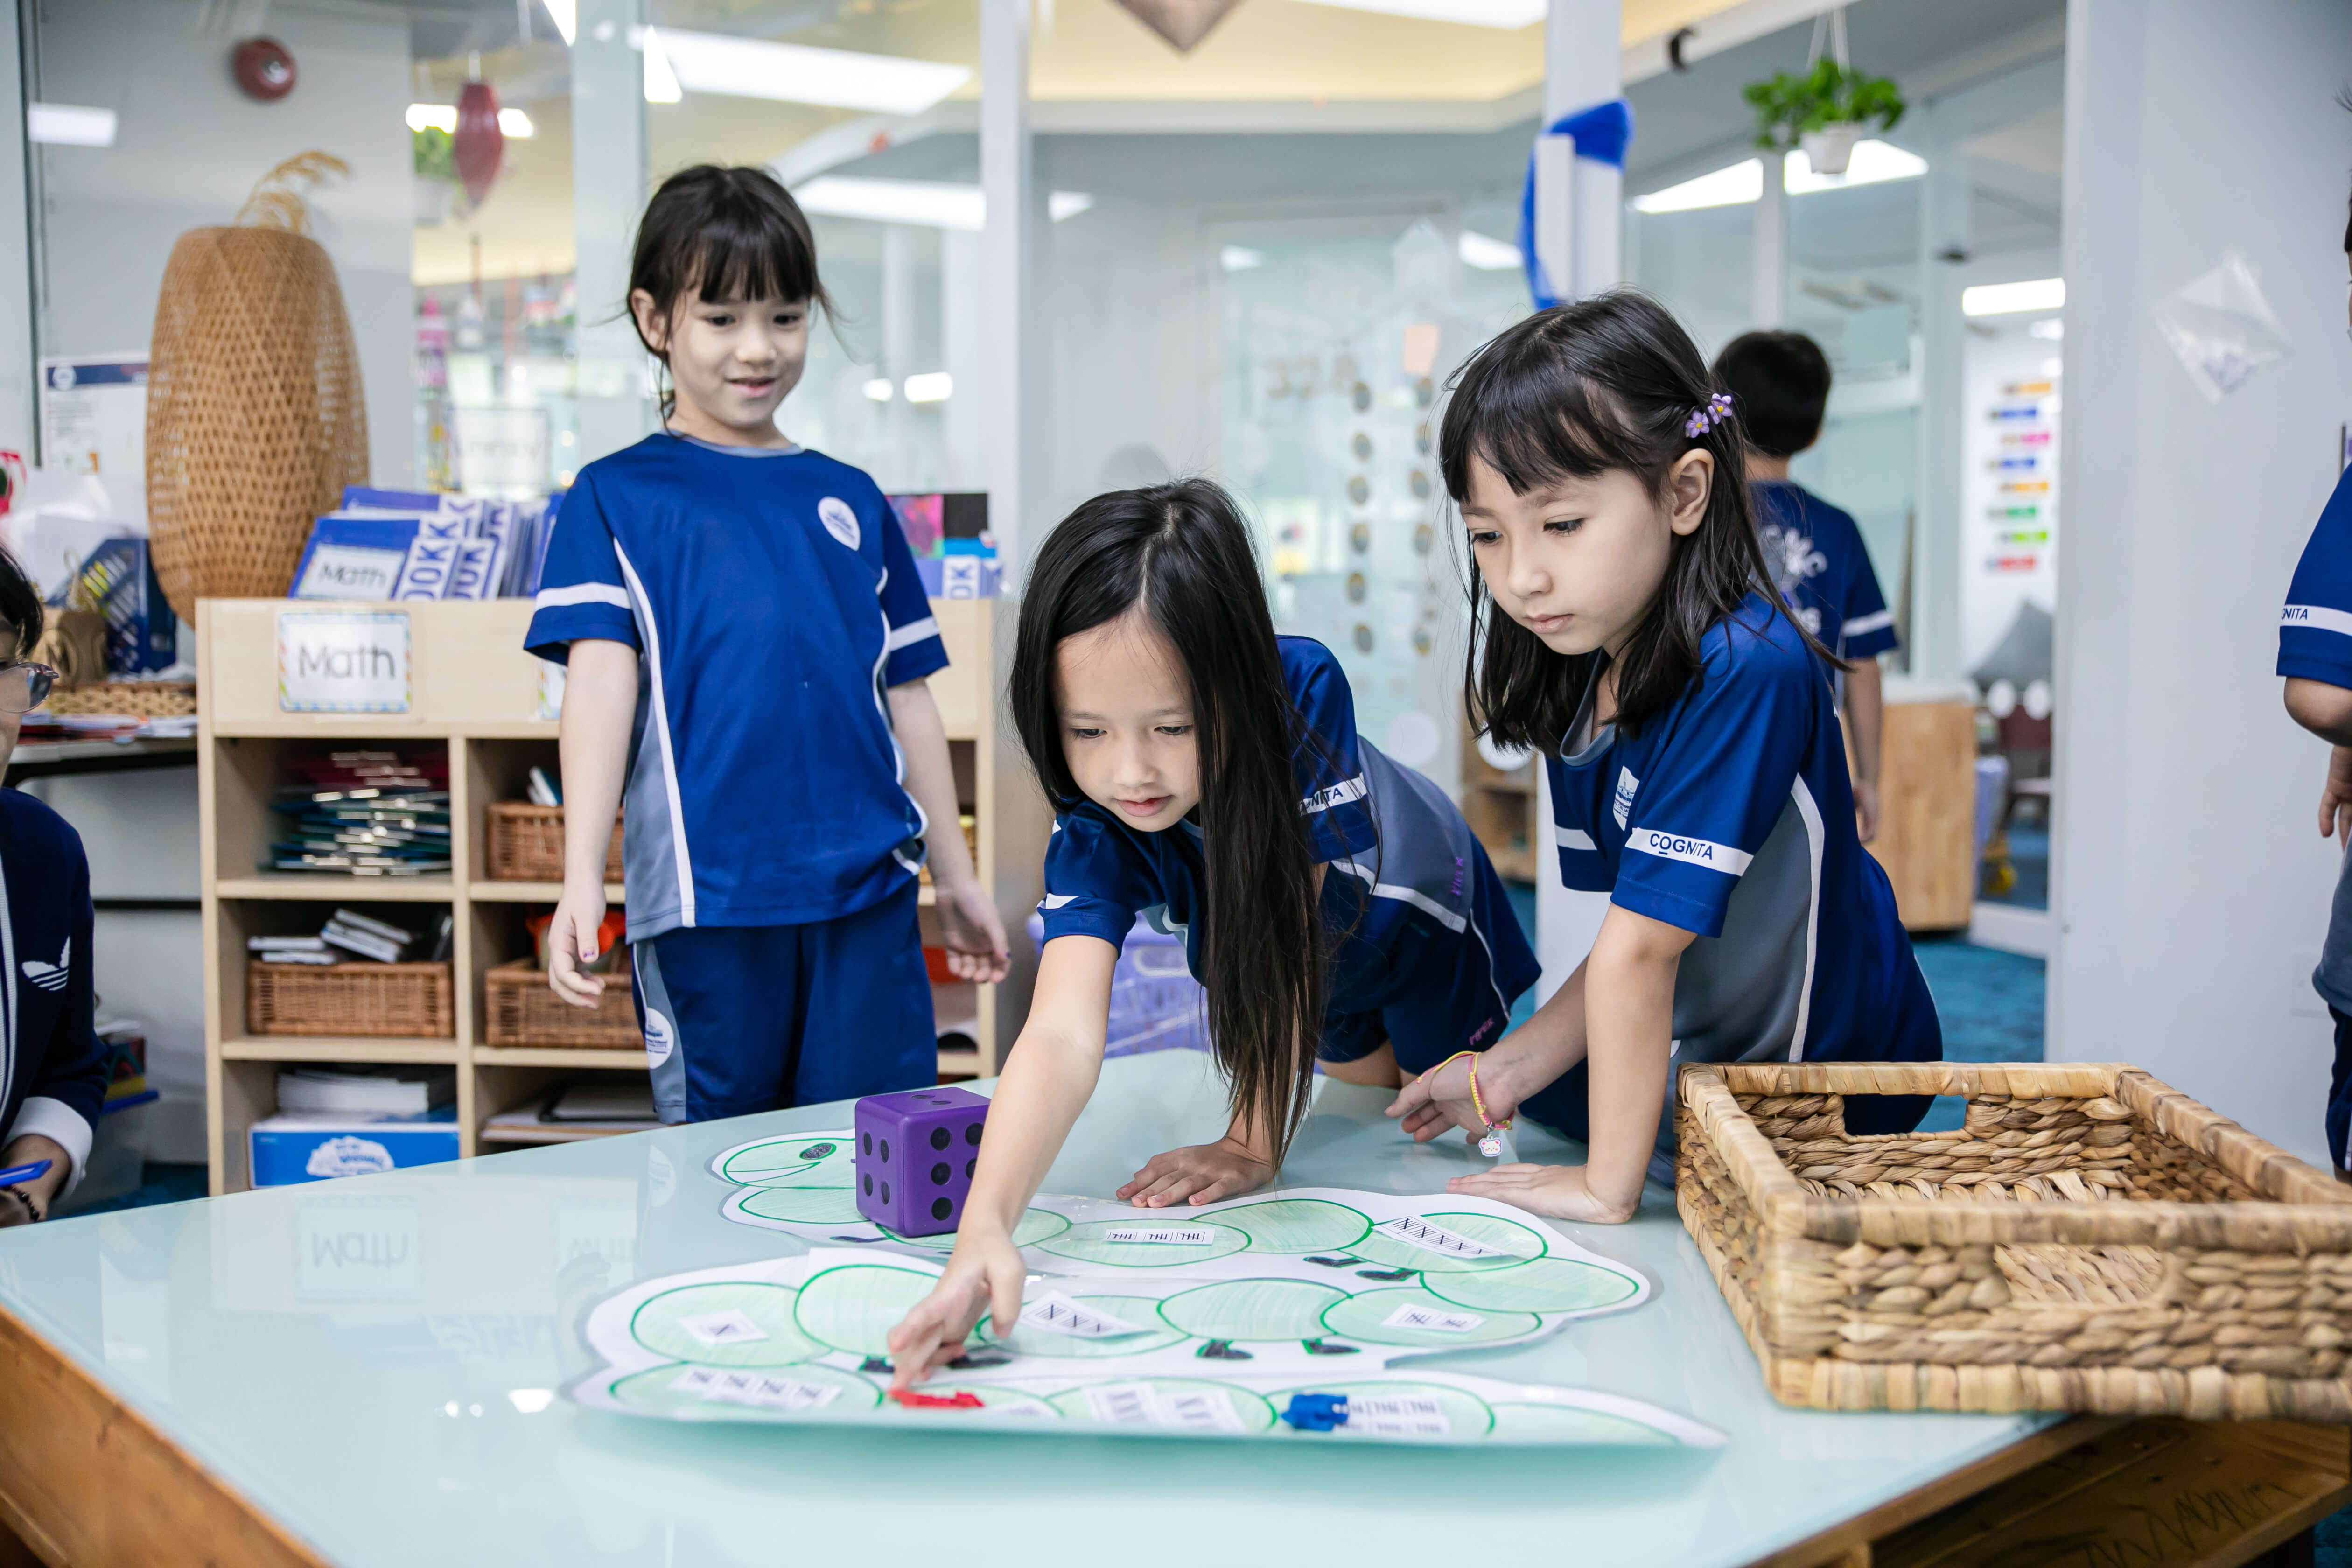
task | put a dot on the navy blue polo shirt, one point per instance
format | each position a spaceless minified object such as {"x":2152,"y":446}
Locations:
{"x":52,"y":1067}
{"x":1730,"y":816}
{"x":1822,"y":568}
{"x":773,"y":600}
{"x":1398,"y":849}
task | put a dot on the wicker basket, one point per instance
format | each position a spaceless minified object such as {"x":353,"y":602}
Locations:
{"x":2090,"y":1240}
{"x":517,"y":1009}
{"x":526,"y":844}
{"x":131,"y":699}
{"x":407,"y":1001}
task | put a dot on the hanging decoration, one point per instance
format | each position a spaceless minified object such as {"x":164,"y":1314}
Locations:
{"x":1183,"y":23}
{"x":1827,"y":110}
{"x":479,"y":146}
{"x":255,"y":416}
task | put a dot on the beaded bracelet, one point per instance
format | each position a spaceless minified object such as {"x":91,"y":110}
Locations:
{"x":1491,"y":1145}
{"x":32,"y":1210}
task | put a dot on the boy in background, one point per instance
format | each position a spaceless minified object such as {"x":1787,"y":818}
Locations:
{"x":1780,"y":384}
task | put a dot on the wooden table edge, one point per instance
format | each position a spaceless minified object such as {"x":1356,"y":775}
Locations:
{"x":1840,"y":1541}
{"x":86,"y":1481}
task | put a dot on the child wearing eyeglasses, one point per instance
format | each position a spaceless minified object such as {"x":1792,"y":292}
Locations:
{"x":52,"y":1067}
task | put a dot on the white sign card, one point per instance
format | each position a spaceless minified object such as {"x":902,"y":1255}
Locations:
{"x":347,"y":662}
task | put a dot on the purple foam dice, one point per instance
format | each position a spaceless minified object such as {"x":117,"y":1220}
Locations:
{"x":916,"y":1153}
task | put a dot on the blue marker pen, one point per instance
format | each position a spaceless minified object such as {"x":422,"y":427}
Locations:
{"x":17,"y":1173}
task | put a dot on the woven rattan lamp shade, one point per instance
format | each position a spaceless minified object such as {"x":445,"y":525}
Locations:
{"x":254,"y":416}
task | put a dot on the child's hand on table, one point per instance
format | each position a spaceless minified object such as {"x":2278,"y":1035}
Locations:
{"x":972,"y":930}
{"x":1202,"y":1173}
{"x":984,"y":1274}
{"x":1559,"y":1192}
{"x":1437,"y":1101}
{"x":571,"y":942}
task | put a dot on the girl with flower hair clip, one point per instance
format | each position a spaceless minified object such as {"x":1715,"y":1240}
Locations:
{"x":1626,"y":627}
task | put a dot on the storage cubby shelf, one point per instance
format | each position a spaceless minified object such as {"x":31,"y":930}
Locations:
{"x":474,"y":692}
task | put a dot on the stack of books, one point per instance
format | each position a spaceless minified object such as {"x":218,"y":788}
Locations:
{"x":407,"y":544}
{"x":368,"y":814}
{"x":349,"y":934}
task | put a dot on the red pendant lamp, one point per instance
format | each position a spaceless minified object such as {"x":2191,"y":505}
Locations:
{"x":480,"y":145}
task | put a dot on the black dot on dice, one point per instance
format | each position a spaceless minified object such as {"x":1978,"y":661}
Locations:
{"x":885,"y":1192}
{"x":866,"y":1140}
{"x":869,"y":1186}
{"x":970,"y":1167}
{"x":939,"y":1174}
{"x":886,"y":1151}
{"x":940,"y":1136}
{"x":972,"y":1134}
{"x":818,"y":1151}
{"x":941,"y":1208}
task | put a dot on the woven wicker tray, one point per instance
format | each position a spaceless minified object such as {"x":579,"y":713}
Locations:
{"x":402,"y":1001}
{"x":517,"y":1009}
{"x":2090,"y":1240}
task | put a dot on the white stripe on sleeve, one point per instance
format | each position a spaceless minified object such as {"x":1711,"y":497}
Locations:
{"x":581,"y":594}
{"x":911,"y":633}
{"x":2317,"y":618}
{"x":1575,"y":839}
{"x":1691,"y":851}
{"x":1860,"y":624}
{"x":1055,"y":900}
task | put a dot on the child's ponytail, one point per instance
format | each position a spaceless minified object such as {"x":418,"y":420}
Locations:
{"x":1180,"y":554}
{"x":1612,"y":382}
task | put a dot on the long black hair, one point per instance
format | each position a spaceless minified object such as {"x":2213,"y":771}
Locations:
{"x":1180,"y":556}
{"x":1603,"y":383}
{"x":725,"y":233}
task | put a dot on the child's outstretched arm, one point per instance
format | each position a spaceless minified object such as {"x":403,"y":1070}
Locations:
{"x":1628,"y":1011}
{"x":600,"y":705}
{"x":973,"y":930}
{"x":1046,"y":1082}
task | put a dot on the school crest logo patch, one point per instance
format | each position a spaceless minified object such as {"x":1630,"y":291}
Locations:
{"x":1626,"y":784}
{"x":839,"y":520}
{"x":661,"y":1038}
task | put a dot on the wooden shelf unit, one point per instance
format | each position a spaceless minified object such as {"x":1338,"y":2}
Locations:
{"x":475,"y":693}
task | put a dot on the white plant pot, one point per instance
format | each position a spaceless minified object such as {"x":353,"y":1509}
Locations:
{"x":433,"y":201}
{"x":1830,"y":149}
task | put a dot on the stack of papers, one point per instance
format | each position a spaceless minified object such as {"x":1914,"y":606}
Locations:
{"x":365,"y":1092}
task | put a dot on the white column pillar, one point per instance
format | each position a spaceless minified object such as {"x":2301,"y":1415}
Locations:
{"x":608,"y":194}
{"x":2190,"y":894}
{"x":959,"y":334}
{"x":1581,"y":69}
{"x":898,"y":418}
{"x":17,"y":342}
{"x":1944,"y":238}
{"x":1007,"y":249}
{"x":1768,"y":275}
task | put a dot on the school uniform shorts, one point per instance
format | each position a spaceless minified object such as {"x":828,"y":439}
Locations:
{"x":740,"y":1019}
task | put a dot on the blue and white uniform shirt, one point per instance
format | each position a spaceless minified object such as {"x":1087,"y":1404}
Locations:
{"x":2316,"y":626}
{"x":1730,"y":816}
{"x":1397,"y":849}
{"x":773,"y":600}
{"x":1822,"y":568}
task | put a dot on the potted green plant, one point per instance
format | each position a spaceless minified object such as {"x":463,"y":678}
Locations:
{"x":1824,"y":110}
{"x":433,"y":153}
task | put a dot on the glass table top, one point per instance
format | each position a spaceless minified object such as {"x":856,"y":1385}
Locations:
{"x":377,"y":1363}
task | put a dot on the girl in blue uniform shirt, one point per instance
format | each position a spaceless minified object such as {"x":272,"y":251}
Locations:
{"x":748,"y":640}
{"x":1628,"y":629}
{"x":1209,"y":778}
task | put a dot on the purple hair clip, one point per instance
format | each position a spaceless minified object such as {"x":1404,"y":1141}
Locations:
{"x":1716,"y":410}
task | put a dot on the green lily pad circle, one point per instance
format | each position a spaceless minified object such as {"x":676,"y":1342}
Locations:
{"x":1540,"y":1285}
{"x":854,"y":1307}
{"x":1365,"y":1319}
{"x":1297,"y":1224}
{"x":1091,"y":1243}
{"x":1036,"y":1226}
{"x":659,"y":1324}
{"x":801,"y":1205}
{"x":653,"y":1391}
{"x":1518,"y":1241}
{"x":1252,"y":1310}
{"x":1142,"y":1311}
{"x":802,"y":1160}
{"x":1256,"y":1413}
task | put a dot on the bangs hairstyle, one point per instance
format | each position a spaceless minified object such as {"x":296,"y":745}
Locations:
{"x":1574,"y":392}
{"x":719,"y":233}
{"x":1180,"y":554}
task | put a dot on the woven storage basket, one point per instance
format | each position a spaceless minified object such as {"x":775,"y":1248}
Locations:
{"x":526,"y":844}
{"x":2090,"y":1240}
{"x":131,"y":698}
{"x":256,"y":419}
{"x":405,"y":1001}
{"x":520,"y":1010}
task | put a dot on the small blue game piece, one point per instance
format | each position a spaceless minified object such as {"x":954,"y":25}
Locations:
{"x":1317,"y":1412}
